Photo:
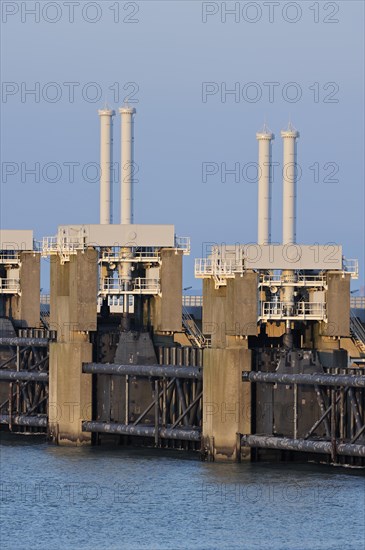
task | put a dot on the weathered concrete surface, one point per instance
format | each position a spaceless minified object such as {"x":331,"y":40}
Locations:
{"x":226,"y":401}
{"x":275,"y":329}
{"x":214,"y":313}
{"x":350,"y":347}
{"x":69,"y":392}
{"x":73,"y":315}
{"x":167,"y":308}
{"x":25,"y":309}
{"x":73,"y":294}
{"x":241,"y":307}
{"x":230,"y":310}
{"x":338,"y":304}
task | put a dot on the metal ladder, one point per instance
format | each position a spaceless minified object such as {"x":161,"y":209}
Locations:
{"x":357,"y":332}
{"x":193,"y":332}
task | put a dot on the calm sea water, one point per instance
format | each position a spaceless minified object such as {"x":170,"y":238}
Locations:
{"x":117,"y":498}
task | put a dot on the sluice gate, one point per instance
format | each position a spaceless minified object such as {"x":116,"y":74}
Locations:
{"x":334,"y":425}
{"x":24,"y":377}
{"x":160,"y":403}
{"x":267,"y":363}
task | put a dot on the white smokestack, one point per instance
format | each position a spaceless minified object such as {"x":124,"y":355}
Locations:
{"x":126,"y":166}
{"x":264,"y":186}
{"x":106,"y":164}
{"x":289,"y":183}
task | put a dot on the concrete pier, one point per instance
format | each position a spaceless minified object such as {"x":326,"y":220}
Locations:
{"x":226,"y":402}
{"x":73,"y":315}
{"x":24,"y":309}
{"x":230,"y":316}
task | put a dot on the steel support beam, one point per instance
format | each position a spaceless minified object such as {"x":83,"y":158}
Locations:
{"x":23,"y":420}
{"x":303,"y":445}
{"x":354,"y":381}
{"x":150,"y":371}
{"x":39,"y":342}
{"x":23,"y":375}
{"x":141,"y":430}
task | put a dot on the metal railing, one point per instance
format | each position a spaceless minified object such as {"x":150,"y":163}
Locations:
{"x":351,"y":266}
{"x":183,"y":243}
{"x":109,"y":285}
{"x":298,"y":280}
{"x":357,"y":302}
{"x":64,"y":246}
{"x":208,"y":267}
{"x":9,"y":286}
{"x":9,"y":257}
{"x":116,"y":255}
{"x":300,"y":310}
{"x":192,"y":301}
{"x":115,"y":303}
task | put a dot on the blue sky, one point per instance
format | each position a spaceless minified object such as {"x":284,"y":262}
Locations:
{"x":165,"y":57}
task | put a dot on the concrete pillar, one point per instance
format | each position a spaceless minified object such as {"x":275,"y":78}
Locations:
{"x":69,"y":392}
{"x":214,"y":313}
{"x":25,"y":309}
{"x":226,"y":402}
{"x":167,"y":308}
{"x":338,"y":304}
{"x":73,"y":315}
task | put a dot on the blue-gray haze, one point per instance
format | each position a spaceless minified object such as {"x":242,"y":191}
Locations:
{"x":302,"y":61}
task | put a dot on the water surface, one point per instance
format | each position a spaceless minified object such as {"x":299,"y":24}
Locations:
{"x":117,"y":498}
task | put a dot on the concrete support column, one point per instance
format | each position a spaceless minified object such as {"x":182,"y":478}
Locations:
{"x":73,"y":315}
{"x":167,"y":308}
{"x":25,"y":309}
{"x":226,"y":402}
{"x":69,"y":392}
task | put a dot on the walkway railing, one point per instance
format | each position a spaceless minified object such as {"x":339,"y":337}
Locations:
{"x":192,"y":301}
{"x":210,"y":267}
{"x":300,"y":310}
{"x":116,"y":255}
{"x":357,"y":302}
{"x":183,"y":243}
{"x":351,"y":266}
{"x":9,"y":257}
{"x":9,"y":286}
{"x":298,"y":280}
{"x":139,"y":285}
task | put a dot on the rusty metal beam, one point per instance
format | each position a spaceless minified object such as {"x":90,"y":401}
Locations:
{"x":29,"y":376}
{"x":354,"y":381}
{"x":23,"y":420}
{"x":141,"y":430}
{"x":150,"y":371}
{"x":39,"y":342}
{"x":303,"y":445}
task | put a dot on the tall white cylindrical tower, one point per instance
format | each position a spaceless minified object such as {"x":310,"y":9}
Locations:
{"x":106,"y":164}
{"x":126,"y":165}
{"x":264,"y":186}
{"x":289,"y":184}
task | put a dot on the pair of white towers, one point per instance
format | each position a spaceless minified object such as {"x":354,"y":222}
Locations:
{"x":127,"y":167}
{"x":289,"y":185}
